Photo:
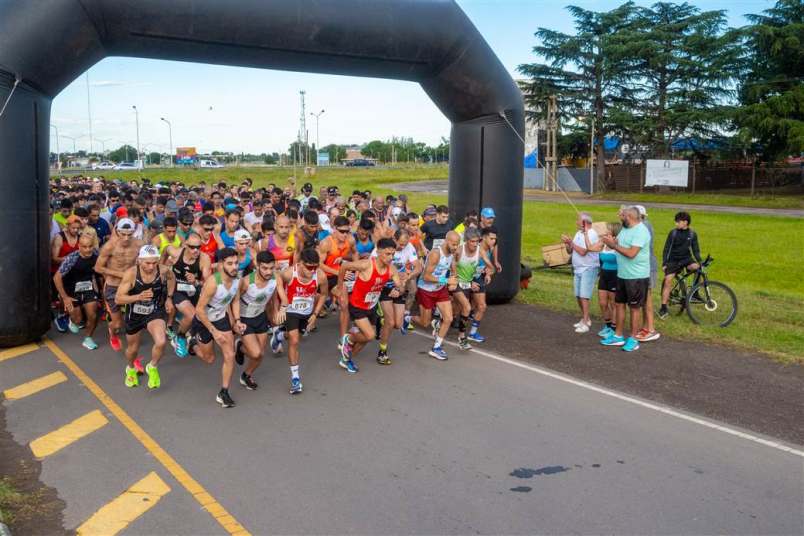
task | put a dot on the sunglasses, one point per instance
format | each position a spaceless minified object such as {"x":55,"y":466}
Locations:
{"x":193,"y":247}
{"x":209,"y":229}
{"x":343,"y":230}
{"x":311,"y":267}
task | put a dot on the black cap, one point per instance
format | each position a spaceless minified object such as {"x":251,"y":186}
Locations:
{"x":332,"y":190}
{"x":308,"y":187}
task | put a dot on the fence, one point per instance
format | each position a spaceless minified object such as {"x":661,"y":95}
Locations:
{"x":710,"y":176}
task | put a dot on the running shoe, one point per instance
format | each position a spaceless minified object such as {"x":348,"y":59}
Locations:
{"x":630,"y":345}
{"x":138,"y":365}
{"x":191,"y":342}
{"x":276,"y":344}
{"x":131,"y":377}
{"x":476,"y":337}
{"x":436,"y":325}
{"x":114,"y":341}
{"x":295,"y":386}
{"x":349,"y":365}
{"x":179,"y":345}
{"x":613,"y":340}
{"x":646,"y":336}
{"x":605,"y":333}
{"x":382,"y":358}
{"x":89,"y":343}
{"x":664,"y":312}
{"x":170,"y":334}
{"x":62,"y":322}
{"x":74,"y":328}
{"x":346,"y":348}
{"x":154,"y":381}
{"x":224,"y":399}
{"x":239,"y":357}
{"x":247,"y":382}
{"x":463,"y":343}
{"x":407,"y":324}
{"x":411,"y":327}
{"x":438,"y":353}
{"x":583,"y":328}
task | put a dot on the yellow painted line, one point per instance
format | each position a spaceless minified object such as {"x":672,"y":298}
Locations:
{"x":125,"y":508}
{"x":17,"y":351}
{"x":69,"y":433}
{"x":215,"y":509}
{"x":34,"y":386}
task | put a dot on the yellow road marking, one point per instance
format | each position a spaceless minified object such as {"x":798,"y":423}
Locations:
{"x":67,"y":434}
{"x":17,"y":351}
{"x":34,"y":386}
{"x":122,"y":510}
{"x":216,"y":510}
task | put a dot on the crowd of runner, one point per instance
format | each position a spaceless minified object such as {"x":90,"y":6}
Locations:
{"x":243,"y":268}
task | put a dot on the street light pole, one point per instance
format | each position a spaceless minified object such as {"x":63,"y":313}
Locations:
{"x":592,"y":159}
{"x":70,"y":138}
{"x":170,"y":135}
{"x":137,"y":118}
{"x":103,"y":143}
{"x":58,"y":153}
{"x":317,"y":143}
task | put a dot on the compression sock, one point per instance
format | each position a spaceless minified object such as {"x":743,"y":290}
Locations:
{"x":475,"y":326}
{"x":438,"y":342}
{"x":294,"y":372}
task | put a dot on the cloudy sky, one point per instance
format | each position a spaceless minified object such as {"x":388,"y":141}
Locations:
{"x":252,"y":110}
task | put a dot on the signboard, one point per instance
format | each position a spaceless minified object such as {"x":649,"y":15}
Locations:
{"x":186,"y":155}
{"x":667,"y":173}
{"x":323,"y":158}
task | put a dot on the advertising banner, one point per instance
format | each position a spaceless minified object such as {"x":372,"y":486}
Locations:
{"x":667,"y":173}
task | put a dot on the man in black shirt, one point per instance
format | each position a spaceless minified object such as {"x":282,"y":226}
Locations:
{"x":435,"y":231}
{"x":680,"y":251}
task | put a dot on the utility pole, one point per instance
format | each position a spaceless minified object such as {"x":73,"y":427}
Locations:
{"x":592,"y":159}
{"x":551,"y":159}
{"x":303,"y":125}
{"x":137,"y":117}
{"x":317,"y":141}
{"x":89,"y":115}
{"x":170,"y":135}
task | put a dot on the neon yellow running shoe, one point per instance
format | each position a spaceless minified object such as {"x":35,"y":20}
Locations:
{"x":131,"y":377}
{"x":153,"y":376}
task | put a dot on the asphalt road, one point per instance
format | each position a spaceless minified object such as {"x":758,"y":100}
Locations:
{"x":470,"y":445}
{"x":441,"y":187}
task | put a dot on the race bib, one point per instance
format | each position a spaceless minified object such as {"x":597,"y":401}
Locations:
{"x":253,"y":309}
{"x":83,"y":286}
{"x":186,"y":288}
{"x":372,"y":298}
{"x":301,"y":305}
{"x":437,"y":242}
{"x":283,"y":264}
{"x":141,"y":309}
{"x":349,"y":285}
{"x":464,"y":285}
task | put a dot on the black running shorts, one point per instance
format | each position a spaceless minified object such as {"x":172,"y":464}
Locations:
{"x":633,"y":292}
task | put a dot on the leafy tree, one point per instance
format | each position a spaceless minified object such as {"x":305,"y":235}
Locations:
{"x":772,"y":92}
{"x":585,"y":71}
{"x":126,"y":153}
{"x":682,"y":65}
{"x":154,"y":157}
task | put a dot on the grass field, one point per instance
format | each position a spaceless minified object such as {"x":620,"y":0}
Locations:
{"x":783,"y":199}
{"x":758,"y":257}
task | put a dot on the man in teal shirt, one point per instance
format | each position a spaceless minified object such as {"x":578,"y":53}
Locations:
{"x":633,"y":276}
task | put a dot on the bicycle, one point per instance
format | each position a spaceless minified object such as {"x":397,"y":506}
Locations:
{"x":707,"y":302}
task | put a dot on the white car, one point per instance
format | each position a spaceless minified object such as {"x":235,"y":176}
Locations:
{"x":124,"y":166}
{"x":214,"y":164}
{"x":103,"y":165}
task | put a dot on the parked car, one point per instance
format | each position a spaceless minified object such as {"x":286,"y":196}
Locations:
{"x":125,"y":166}
{"x":214,"y":164}
{"x":103,"y":165}
{"x":360,"y":162}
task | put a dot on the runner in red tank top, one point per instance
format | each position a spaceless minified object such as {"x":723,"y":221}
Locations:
{"x":206,"y":231}
{"x":64,"y":243}
{"x":372,"y":275}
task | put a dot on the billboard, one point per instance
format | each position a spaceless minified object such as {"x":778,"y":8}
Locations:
{"x":186,"y":155}
{"x":323,"y":158}
{"x":667,"y":173}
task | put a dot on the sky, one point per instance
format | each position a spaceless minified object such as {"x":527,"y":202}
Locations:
{"x":239,"y":109}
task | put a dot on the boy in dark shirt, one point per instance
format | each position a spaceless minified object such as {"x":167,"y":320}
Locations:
{"x":680,"y":251}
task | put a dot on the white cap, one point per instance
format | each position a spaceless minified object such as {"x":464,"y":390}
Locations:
{"x":148,"y":252}
{"x":641,"y":210}
{"x":125,"y":223}
{"x":323,"y":221}
{"x":241,"y":234}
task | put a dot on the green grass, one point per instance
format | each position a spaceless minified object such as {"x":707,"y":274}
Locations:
{"x":10,"y":501}
{"x":757,"y":256}
{"x":734,"y":199}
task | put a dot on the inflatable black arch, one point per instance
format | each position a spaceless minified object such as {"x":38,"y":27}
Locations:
{"x":46,"y":44}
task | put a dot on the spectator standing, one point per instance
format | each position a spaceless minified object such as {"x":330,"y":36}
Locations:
{"x":607,"y":283}
{"x":648,"y":331}
{"x":633,"y":276}
{"x":585,"y":266}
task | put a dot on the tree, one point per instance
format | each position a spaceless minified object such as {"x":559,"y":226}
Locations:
{"x":682,"y":65}
{"x":772,"y":92}
{"x":123,"y":154}
{"x":154,"y":157}
{"x":585,"y":71}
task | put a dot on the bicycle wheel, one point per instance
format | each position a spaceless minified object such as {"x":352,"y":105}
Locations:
{"x":678,"y":298}
{"x":711,"y":304}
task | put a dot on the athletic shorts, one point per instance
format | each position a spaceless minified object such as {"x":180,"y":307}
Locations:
{"x":83,"y":298}
{"x":428,"y":299}
{"x":332,"y":280}
{"x":633,"y":292}
{"x":256,"y":325}
{"x":179,"y":297}
{"x":203,"y":335}
{"x":584,"y":283}
{"x":299,"y":322}
{"x":109,"y":292}
{"x":385,"y":295}
{"x":674,"y":267}
{"x":607,"y":281}
{"x":136,"y":323}
{"x":356,"y":313}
